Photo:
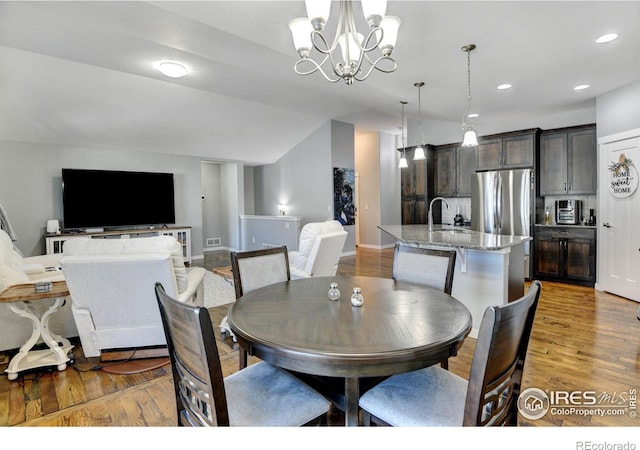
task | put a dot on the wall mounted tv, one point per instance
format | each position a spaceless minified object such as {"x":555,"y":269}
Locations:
{"x":108,"y":198}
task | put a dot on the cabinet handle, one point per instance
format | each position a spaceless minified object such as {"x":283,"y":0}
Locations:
{"x":606,"y":225}
{"x":565,"y":185}
{"x":570,"y":185}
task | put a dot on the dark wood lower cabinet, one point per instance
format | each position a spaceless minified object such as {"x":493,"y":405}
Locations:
{"x":566,"y":254}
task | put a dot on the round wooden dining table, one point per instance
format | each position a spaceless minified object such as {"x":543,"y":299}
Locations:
{"x":400,"y":327}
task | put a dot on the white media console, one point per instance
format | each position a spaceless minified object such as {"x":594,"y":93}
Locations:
{"x":55,"y":242}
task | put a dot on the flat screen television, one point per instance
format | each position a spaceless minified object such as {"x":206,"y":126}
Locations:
{"x":109,"y":198}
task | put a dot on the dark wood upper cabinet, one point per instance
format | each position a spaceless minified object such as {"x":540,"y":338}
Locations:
{"x":467,"y":165}
{"x":453,"y":168}
{"x":445,"y":171}
{"x":511,"y":150}
{"x":568,"y":161}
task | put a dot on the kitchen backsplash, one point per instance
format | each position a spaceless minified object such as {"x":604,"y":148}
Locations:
{"x":588,"y":202}
{"x":454,"y":202}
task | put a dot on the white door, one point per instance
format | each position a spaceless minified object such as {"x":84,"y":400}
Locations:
{"x":619,"y":215}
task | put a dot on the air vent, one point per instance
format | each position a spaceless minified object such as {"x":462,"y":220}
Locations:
{"x":214,"y":242}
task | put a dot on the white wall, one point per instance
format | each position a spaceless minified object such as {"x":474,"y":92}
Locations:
{"x":619,"y":110}
{"x":367,"y":165}
{"x":31,"y":185}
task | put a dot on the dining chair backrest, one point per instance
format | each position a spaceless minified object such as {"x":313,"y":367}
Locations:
{"x":429,"y":267}
{"x":258,"y":268}
{"x":498,"y":361}
{"x":195,"y":363}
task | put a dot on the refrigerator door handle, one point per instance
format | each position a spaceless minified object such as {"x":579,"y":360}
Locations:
{"x":497,"y":219}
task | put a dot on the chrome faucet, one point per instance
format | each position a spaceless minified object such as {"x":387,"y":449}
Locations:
{"x":430,"y":216}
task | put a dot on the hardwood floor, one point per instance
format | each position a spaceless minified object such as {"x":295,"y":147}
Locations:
{"x":582,"y":340}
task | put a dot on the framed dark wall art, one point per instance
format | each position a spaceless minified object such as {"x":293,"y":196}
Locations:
{"x":344,"y":209}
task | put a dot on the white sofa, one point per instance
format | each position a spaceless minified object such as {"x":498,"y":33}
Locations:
{"x":112,"y":282}
{"x":319,"y":250}
{"x":14,"y":269}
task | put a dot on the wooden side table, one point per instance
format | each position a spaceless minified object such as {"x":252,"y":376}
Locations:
{"x":20,"y":297}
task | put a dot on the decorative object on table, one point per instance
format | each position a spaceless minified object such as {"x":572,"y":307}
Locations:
{"x":334,"y":292}
{"x":344,"y":182}
{"x":402,"y":164}
{"x":356,"y":298}
{"x":307,"y":33}
{"x":259,"y":395}
{"x":470,"y":139}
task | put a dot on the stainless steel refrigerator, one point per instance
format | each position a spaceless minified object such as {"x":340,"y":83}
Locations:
{"x":503,"y":202}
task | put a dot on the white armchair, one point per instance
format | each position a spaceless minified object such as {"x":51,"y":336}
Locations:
{"x":318,"y":251}
{"x":112,"y":282}
{"x":14,"y":269}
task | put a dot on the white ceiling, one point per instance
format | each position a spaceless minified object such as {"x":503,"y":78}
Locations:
{"x":81,"y":73}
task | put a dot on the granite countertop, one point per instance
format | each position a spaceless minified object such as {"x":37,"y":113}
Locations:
{"x":559,"y":225}
{"x":450,"y":236}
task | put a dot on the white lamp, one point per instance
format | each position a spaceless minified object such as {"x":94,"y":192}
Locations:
{"x":402,"y":164}
{"x":418,"y":154}
{"x":470,"y":139}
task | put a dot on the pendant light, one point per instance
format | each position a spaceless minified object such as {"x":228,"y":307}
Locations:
{"x":419,"y":152}
{"x":403,"y":159}
{"x":470,"y":139}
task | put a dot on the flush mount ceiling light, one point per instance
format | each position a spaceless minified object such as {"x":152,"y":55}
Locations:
{"x":419,"y":152}
{"x":470,"y":139}
{"x":307,"y":36}
{"x":504,"y":86}
{"x":402,"y":164}
{"x":172,"y":69}
{"x":581,"y":87}
{"x":606,"y":38}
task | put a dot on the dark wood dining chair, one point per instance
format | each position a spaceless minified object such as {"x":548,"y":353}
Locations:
{"x":259,"y":395}
{"x":254,"y":269}
{"x":437,"y":397}
{"x":425,"y":266}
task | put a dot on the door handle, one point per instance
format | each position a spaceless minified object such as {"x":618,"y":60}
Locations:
{"x":606,"y":225}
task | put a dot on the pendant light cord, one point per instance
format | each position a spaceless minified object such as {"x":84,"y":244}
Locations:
{"x":420,"y":114}
{"x":468,"y":50}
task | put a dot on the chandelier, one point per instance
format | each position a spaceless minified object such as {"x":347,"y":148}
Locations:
{"x":308,"y":35}
{"x":470,"y":139}
{"x":402,"y":164}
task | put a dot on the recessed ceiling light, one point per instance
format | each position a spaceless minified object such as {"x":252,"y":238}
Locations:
{"x":473,"y":115}
{"x":504,"y":86}
{"x":606,"y":38}
{"x":172,"y":69}
{"x":581,"y":87}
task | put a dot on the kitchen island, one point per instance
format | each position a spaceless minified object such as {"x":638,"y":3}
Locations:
{"x":489,"y":268}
